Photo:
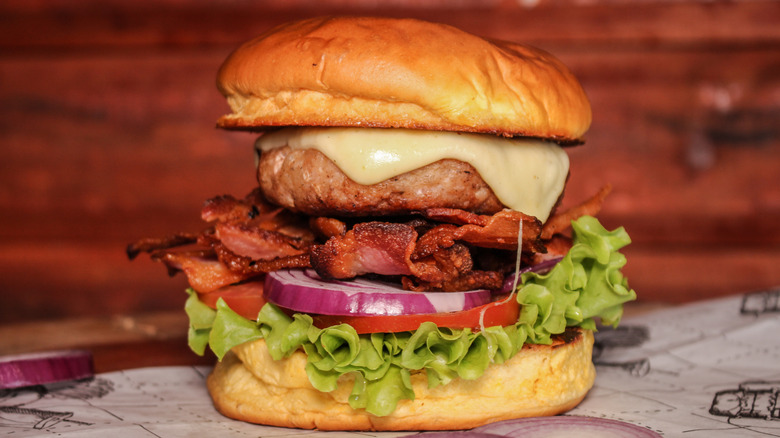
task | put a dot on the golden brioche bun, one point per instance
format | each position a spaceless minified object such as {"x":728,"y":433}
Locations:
{"x":400,"y":73}
{"x":540,"y":380}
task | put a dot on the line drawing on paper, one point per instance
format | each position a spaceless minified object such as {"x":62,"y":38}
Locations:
{"x":757,"y":399}
{"x":17,"y":406}
{"x":758,"y":303}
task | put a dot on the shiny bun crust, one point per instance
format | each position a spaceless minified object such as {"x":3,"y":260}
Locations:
{"x":384,"y":72}
{"x":540,"y":380}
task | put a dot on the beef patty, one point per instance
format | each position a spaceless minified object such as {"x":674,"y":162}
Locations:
{"x":306,"y":181}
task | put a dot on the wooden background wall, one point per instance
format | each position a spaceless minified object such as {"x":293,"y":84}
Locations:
{"x":107,"y":113}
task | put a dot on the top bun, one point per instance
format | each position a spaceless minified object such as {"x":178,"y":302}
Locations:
{"x":400,"y":73}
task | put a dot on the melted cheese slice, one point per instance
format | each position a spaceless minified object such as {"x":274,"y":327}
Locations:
{"x":526,"y":175}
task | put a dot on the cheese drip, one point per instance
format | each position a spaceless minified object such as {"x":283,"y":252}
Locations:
{"x":526,"y":175}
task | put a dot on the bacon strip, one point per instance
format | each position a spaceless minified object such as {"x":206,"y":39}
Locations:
{"x":151,"y":244}
{"x":204,"y":271}
{"x":498,"y":231}
{"x":248,"y":266}
{"x":257,"y":243}
{"x":562,"y":221}
{"x":226,"y":208}
{"x":471,"y":280}
{"x":250,"y":237}
{"x":210,"y":269}
{"x":557,"y":246}
{"x":254,"y":229}
{"x":327,"y":227}
{"x":434,"y":262}
{"x":369,"y":247}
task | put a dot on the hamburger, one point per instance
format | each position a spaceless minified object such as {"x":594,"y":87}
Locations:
{"x":403,"y":263}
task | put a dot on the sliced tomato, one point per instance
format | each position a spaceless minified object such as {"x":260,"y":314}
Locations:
{"x":246,"y":299}
{"x":503,"y":313}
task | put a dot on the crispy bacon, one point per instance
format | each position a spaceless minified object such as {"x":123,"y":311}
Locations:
{"x":562,"y":221}
{"x":471,"y":280}
{"x":369,"y":247}
{"x":151,"y":244}
{"x":434,"y":239}
{"x":204,"y":271}
{"x":249,"y":266}
{"x":498,"y":231}
{"x":248,"y":240}
{"x":434,"y":262}
{"x":254,"y":230}
{"x":249,"y":237}
{"x":327,"y":227}
{"x":557,"y":246}
{"x":255,"y":212}
{"x":226,"y":208}
{"x":456,"y":216}
{"x":208,"y":269}
{"x":454,"y":270}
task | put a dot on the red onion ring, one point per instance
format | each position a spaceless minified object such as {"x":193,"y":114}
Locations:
{"x":572,"y":425}
{"x":43,"y":368}
{"x":304,"y":291}
{"x":541,"y":268}
{"x":454,"y":434}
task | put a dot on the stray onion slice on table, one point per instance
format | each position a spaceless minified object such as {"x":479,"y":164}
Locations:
{"x":550,"y":427}
{"x":23,"y":370}
{"x":566,"y":425}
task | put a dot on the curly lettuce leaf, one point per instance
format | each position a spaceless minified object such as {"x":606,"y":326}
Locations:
{"x":201,"y":319}
{"x":585,"y":286}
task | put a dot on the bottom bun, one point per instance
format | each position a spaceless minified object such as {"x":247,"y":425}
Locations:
{"x":539,"y":380}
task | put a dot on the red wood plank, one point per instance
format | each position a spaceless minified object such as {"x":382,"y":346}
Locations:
{"x":89,"y":24}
